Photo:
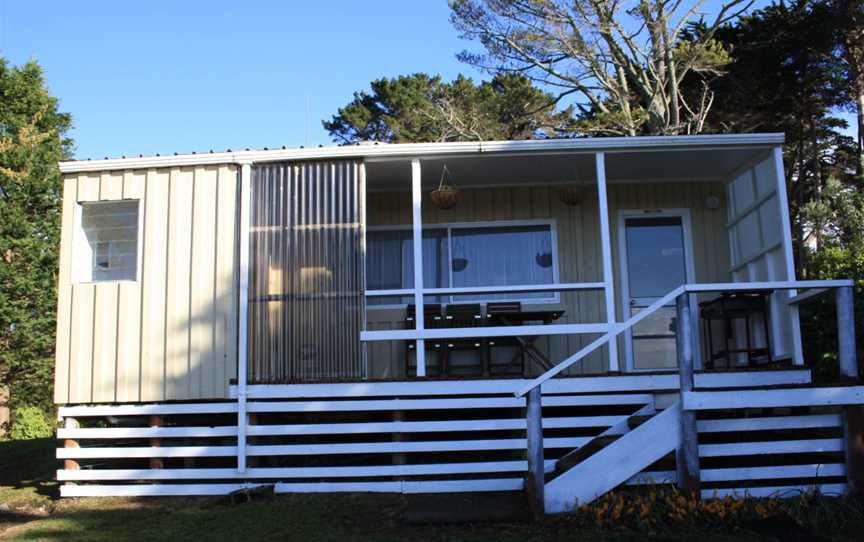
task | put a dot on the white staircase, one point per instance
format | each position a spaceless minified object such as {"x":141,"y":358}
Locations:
{"x":615,"y":463}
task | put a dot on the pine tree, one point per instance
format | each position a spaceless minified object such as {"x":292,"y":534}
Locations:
{"x":33,"y":138}
{"x":421,"y":108}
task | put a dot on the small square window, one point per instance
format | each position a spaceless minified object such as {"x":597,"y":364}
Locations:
{"x":107,"y":241}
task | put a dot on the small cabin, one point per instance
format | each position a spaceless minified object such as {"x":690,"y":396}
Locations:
{"x":473,"y":316}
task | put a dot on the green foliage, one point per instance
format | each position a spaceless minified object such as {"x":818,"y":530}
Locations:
{"x":422,"y":108}
{"x":820,"y":344}
{"x":32,"y":141}
{"x":661,"y":510}
{"x":787,"y":75}
{"x":28,"y":423}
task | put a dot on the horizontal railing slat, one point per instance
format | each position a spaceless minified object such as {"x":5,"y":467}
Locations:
{"x":773,"y":472}
{"x":145,"y":432}
{"x":369,"y":471}
{"x":632,"y":383}
{"x":82,"y":411}
{"x":408,"y":447}
{"x":442,"y":404}
{"x":769,"y":423}
{"x":776,"y":398}
{"x":771,"y":447}
{"x":148,"y":451}
{"x":428,"y":426}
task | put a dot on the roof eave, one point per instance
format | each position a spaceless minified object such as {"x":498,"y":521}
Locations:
{"x":404,"y":150}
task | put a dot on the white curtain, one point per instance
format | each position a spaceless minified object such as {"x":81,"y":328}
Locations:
{"x":503,"y":256}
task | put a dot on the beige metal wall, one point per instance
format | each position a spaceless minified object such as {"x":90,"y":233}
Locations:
{"x":172,"y":334}
{"x":579,"y":253}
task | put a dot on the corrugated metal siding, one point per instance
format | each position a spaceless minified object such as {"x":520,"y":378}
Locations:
{"x":172,"y":334}
{"x":579,"y":254}
{"x":306,"y":299}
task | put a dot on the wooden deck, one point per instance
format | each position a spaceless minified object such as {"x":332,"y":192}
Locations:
{"x":443,"y":436}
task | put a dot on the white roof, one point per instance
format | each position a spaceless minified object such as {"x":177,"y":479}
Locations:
{"x":411,"y":150}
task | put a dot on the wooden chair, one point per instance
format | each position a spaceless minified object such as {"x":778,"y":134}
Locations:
{"x":464,"y":315}
{"x":497,"y":314}
{"x":431,"y":319}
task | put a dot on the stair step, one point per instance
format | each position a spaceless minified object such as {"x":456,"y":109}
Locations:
{"x":458,"y":508}
{"x":581,"y":454}
{"x":613,"y":465}
{"x":635,"y":421}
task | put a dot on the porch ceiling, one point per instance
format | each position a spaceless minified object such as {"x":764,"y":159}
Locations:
{"x":535,"y":168}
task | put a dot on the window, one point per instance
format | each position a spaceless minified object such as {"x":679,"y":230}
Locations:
{"x":464,"y":256}
{"x":107,"y":244}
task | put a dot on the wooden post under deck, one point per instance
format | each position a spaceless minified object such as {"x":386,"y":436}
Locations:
{"x":156,"y":462}
{"x":846,"y":354}
{"x":70,"y":464}
{"x":535,"y":482}
{"x":687,"y":457}
{"x":853,"y":415}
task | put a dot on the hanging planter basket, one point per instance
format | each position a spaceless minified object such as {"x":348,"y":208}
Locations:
{"x":570,"y":195}
{"x":446,"y":196}
{"x":544,"y":259}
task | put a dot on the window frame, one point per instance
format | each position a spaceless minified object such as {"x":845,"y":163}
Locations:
{"x":82,"y":268}
{"x":555,"y":298}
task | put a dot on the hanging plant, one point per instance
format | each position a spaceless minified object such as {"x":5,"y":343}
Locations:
{"x":570,"y":195}
{"x":446,"y":196}
{"x":459,"y":262}
{"x":544,"y":259}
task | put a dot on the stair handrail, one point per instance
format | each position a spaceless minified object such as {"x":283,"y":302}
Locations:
{"x":842,"y":285}
{"x":616,"y":330}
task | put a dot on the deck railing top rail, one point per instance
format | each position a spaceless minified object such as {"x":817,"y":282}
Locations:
{"x":616,"y":329}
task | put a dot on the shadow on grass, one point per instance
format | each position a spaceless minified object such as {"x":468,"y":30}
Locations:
{"x":312,"y":518}
{"x":27,"y":470}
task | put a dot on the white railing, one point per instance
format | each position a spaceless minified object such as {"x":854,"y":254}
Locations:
{"x":423,"y":333}
{"x":688,"y":473}
{"x":844,"y":288}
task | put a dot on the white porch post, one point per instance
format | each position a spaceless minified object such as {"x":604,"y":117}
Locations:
{"x":606,"y":245}
{"x":243,"y":331}
{"x":417,"y":222}
{"x":783,"y":200}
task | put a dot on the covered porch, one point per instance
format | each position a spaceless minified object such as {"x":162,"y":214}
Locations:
{"x":549,"y":246}
{"x":347,"y":381}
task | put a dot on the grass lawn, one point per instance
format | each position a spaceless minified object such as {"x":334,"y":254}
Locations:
{"x":30,"y":511}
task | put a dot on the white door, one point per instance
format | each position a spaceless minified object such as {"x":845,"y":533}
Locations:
{"x":656,"y":256}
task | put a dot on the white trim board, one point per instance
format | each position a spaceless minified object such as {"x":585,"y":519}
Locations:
{"x":460,"y":403}
{"x":583,"y":384}
{"x":422,"y":486}
{"x":474,"y":467}
{"x":779,"y":398}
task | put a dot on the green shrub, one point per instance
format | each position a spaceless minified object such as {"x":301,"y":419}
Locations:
{"x":29,"y":423}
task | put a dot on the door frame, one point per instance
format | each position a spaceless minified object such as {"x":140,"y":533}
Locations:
{"x":689,"y":269}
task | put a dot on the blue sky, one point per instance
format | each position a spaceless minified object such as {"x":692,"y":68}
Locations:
{"x":163,"y":77}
